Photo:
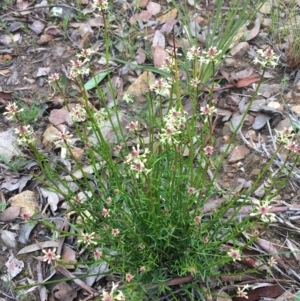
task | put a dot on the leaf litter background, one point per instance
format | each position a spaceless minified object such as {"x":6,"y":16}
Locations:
{"x":38,"y":39}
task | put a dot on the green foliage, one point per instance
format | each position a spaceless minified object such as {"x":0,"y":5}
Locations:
{"x":14,"y":164}
{"x":30,"y":113}
{"x":143,"y":188}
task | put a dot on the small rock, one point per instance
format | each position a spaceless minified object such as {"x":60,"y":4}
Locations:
{"x":251,"y":134}
{"x":285,"y":123}
{"x":260,"y":191}
{"x":255,"y":172}
{"x":266,"y":7}
{"x":296,"y":109}
{"x":240,"y":49}
{"x":226,"y":129}
{"x":275,"y":105}
{"x":238,"y":153}
{"x":231,"y":62}
{"x":200,"y":21}
{"x":266,"y":22}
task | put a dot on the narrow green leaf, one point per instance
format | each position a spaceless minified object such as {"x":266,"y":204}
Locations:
{"x":95,"y":80}
{"x":142,"y":67}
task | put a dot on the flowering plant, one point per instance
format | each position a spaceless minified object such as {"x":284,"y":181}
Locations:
{"x":141,"y":204}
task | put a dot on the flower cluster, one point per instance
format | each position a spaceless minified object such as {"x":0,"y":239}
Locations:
{"x":234,"y":254}
{"x":132,"y":126}
{"x":174,"y":125}
{"x":111,"y":297}
{"x":241,"y":291}
{"x":53,"y":77}
{"x":137,"y":160}
{"x":12,"y":111}
{"x":211,"y":55}
{"x":78,"y":114}
{"x":161,"y":87}
{"x":207,"y":110}
{"x":78,"y":68}
{"x":268,"y":58}
{"x":63,"y":139}
{"x":208,"y":150}
{"x":50,"y":256}
{"x":85,"y":54}
{"x":25,"y":135}
{"x":102,"y":5}
{"x":285,"y":137}
{"x":99,"y":119}
{"x":193,"y":53}
{"x":87,"y":239}
{"x":263,"y":210}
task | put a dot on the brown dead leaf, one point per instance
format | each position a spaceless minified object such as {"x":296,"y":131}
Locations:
{"x":77,"y":153}
{"x":68,"y":255}
{"x":8,"y":144}
{"x":167,"y":16}
{"x":37,"y":26}
{"x":50,"y":136}
{"x":28,"y":202}
{"x":39,"y":246}
{"x":10,"y":214}
{"x":153,"y":8}
{"x":141,"y":3}
{"x":52,"y":198}
{"x":58,"y":116}
{"x":88,"y":9}
{"x":168,"y":26}
{"x":96,"y":22}
{"x":140,"y":56}
{"x":62,"y":270}
{"x":266,"y":8}
{"x":251,"y":34}
{"x":159,"y":39}
{"x":22,"y":4}
{"x":244,"y":73}
{"x":271,"y":250}
{"x":15,"y":26}
{"x":143,"y":16}
{"x":244,"y":82}
{"x":141,"y":86}
{"x":43,"y":71}
{"x":9,"y":39}
{"x":52,"y":31}
{"x":159,"y":56}
{"x":178,"y":42}
{"x":64,"y":292}
{"x":44,"y":39}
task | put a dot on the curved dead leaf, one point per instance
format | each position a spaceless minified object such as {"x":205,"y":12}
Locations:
{"x":251,"y":34}
{"x":39,"y":246}
{"x":10,"y":214}
{"x":260,"y":121}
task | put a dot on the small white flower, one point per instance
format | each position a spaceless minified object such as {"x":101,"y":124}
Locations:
{"x":87,"y":239}
{"x":269,"y":58}
{"x":193,"y":53}
{"x":263,"y":209}
{"x":234,"y":254}
{"x":50,"y":256}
